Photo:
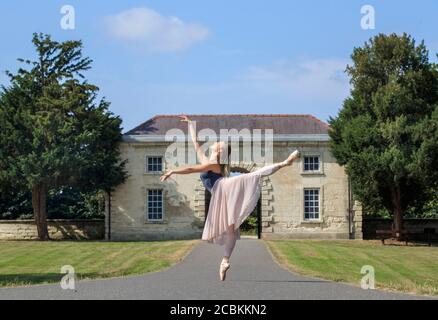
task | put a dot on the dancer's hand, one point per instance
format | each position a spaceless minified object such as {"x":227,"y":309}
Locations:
{"x":165,"y":176}
{"x":185,"y":119}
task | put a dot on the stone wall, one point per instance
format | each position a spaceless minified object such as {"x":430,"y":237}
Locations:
{"x":357,"y":223}
{"x":287,"y":190}
{"x":128,"y":202}
{"x":58,"y":229}
{"x":370,"y":225}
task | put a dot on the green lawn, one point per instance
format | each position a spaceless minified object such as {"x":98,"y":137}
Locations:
{"x":403,"y":268}
{"x":23,"y":262}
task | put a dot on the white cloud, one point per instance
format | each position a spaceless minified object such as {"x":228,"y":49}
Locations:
{"x":143,"y":26}
{"x":320,"y":79}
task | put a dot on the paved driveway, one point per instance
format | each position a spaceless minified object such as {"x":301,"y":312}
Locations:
{"x":253,"y":275}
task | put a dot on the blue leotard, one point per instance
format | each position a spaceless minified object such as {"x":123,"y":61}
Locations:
{"x":209,"y":178}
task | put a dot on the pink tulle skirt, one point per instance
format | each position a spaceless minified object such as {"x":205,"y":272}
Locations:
{"x":232,"y":201}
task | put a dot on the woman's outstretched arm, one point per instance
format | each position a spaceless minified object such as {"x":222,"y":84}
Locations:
{"x":202,"y":158}
{"x":192,"y":169}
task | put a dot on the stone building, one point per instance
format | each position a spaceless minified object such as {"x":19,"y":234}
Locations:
{"x":310,"y":199}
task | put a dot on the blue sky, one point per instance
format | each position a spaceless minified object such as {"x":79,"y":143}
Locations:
{"x":244,"y":56}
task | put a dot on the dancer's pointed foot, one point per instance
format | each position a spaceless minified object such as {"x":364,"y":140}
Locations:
{"x":223,"y":269}
{"x":294,"y":155}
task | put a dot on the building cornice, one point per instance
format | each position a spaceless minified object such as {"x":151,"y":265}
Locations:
{"x":276,"y":138}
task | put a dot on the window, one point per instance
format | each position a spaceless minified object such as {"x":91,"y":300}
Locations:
{"x":311,"y":204}
{"x":155,"y":204}
{"x":154,"y":164}
{"x":311,"y":163}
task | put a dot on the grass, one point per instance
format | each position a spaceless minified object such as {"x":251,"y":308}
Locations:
{"x":400,"y":268}
{"x":25,"y":263}
{"x":251,"y":232}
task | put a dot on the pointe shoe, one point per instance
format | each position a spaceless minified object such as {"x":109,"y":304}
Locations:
{"x":294,"y":155}
{"x":223,"y":270}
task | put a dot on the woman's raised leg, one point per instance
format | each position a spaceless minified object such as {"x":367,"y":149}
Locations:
{"x":271,"y":169}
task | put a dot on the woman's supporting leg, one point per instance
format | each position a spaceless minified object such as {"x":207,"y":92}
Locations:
{"x":230,"y":242}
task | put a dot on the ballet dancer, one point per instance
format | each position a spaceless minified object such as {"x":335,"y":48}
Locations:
{"x":232,"y":198}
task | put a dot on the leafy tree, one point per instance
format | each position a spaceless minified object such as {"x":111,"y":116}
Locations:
{"x":386,"y":134}
{"x":71,"y":203}
{"x":15,"y":204}
{"x":62,"y":203}
{"x":430,"y":210}
{"x":53,"y":132}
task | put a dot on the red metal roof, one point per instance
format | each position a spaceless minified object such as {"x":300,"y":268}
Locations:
{"x":280,"y":123}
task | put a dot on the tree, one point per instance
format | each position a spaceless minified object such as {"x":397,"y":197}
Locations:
{"x":53,"y":132}
{"x":62,"y":203}
{"x":386,"y":134}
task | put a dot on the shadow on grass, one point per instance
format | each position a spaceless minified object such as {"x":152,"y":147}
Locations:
{"x":14,"y":280}
{"x":395,"y":243}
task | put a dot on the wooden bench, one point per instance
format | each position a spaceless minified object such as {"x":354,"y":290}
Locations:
{"x":391,"y":234}
{"x":429,"y":234}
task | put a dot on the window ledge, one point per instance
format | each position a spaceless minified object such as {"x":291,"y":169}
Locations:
{"x":312,"y":173}
{"x":312,"y":222}
{"x":154,"y":173}
{"x":155,"y":222}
